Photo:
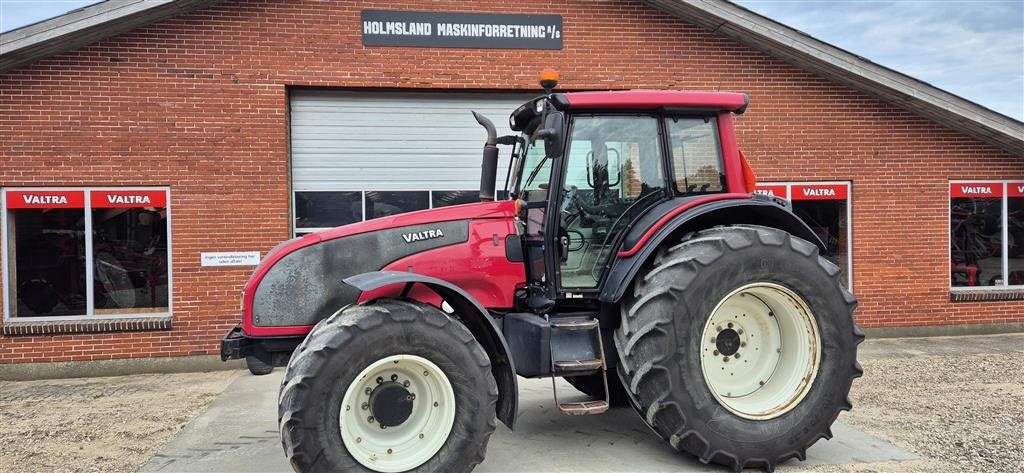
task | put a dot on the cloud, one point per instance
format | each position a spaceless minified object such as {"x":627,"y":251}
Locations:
{"x":972,"y":49}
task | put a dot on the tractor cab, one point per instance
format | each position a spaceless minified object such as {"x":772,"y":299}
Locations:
{"x":593,"y":163}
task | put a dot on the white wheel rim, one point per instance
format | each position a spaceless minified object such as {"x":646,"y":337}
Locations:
{"x":414,"y":441}
{"x":778,"y":351}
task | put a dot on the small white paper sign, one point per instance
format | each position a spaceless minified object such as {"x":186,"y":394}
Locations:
{"x":230,"y":258}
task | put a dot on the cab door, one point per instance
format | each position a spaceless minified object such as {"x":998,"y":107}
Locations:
{"x":612,"y":171}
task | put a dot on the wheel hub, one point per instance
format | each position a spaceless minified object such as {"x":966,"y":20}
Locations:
{"x":727,"y":342}
{"x":391,"y":404}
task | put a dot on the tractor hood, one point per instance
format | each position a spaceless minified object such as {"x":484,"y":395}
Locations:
{"x":300,"y":283}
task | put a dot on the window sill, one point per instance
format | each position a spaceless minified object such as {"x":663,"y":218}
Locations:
{"x":987,"y":295}
{"x":53,"y":327}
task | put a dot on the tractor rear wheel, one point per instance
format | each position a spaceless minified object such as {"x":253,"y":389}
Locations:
{"x":387,"y":386}
{"x":738,"y":346}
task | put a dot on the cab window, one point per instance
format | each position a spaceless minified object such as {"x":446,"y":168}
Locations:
{"x":696,"y":154}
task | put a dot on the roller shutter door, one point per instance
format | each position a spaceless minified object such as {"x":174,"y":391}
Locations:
{"x":359,"y":155}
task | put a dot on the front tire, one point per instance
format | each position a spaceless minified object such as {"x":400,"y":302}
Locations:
{"x":738,"y":346}
{"x":387,"y":386}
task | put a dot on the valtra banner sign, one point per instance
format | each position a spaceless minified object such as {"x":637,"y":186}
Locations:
{"x":780,"y":191}
{"x":1015,"y":189}
{"x":976,"y":189}
{"x":128,"y":198}
{"x":819,"y":192}
{"x":48,"y":199}
{"x":461,"y":30}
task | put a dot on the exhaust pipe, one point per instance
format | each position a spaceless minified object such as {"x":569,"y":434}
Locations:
{"x":489,"y":166}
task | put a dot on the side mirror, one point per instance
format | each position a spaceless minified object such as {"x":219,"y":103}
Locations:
{"x":551,"y":133}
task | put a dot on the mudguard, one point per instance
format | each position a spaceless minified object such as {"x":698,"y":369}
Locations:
{"x":474,"y":316}
{"x":640,"y":244}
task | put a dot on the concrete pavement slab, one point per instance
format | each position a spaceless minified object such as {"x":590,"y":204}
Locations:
{"x":238,"y":433}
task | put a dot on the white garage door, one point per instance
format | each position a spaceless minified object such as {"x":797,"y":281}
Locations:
{"x":361,"y":155}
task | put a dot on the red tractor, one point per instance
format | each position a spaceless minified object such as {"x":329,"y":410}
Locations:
{"x":631,"y":259}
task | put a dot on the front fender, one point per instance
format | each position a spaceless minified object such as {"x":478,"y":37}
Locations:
{"x":474,"y":316}
{"x":726,"y":210}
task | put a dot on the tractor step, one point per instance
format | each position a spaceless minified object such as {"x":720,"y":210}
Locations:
{"x":583,"y":408}
{"x":575,"y":324}
{"x":577,"y":367}
{"x":571,"y":354}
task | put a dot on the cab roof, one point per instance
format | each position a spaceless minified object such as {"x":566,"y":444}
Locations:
{"x":651,"y":100}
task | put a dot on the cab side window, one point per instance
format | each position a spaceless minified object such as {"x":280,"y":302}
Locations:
{"x":696,"y":154}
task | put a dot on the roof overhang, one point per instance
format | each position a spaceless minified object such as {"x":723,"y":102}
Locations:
{"x":835,"y":64}
{"x":85,"y":26}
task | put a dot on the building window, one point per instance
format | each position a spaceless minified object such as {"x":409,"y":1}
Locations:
{"x":446,"y":198}
{"x":317,"y":210}
{"x":825,"y":207}
{"x":85,"y":253}
{"x":986,"y":234}
{"x":321,"y":210}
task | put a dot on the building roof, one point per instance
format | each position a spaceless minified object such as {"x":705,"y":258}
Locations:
{"x":93,"y":23}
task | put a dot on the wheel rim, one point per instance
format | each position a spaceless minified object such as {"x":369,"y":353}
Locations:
{"x":760,"y":351}
{"x":414,"y":429}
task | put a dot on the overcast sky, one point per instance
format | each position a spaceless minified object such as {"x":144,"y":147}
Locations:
{"x":974,"y":49}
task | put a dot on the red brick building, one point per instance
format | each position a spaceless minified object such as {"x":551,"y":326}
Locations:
{"x":137,"y":141}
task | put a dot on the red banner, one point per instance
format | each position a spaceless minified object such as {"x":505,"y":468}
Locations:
{"x":50,"y":199}
{"x":128,"y":198}
{"x":976,"y":189}
{"x":1015,"y":189}
{"x":820,"y":192}
{"x":772,"y":190}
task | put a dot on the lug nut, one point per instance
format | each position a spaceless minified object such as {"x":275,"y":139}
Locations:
{"x":737,"y":356}
{"x":729,"y":324}
{"x":743,"y":344}
{"x":394,"y":377}
{"x":380,"y":380}
{"x":718,"y":328}
{"x":726,"y":359}
{"x":713,"y":339}
{"x":716,"y":352}
{"x":369,"y":419}
{"x":406,"y":383}
{"x":410,"y":397}
{"x":382,"y":427}
{"x":740,"y":331}
{"x":368,"y":391}
{"x":365,"y":406}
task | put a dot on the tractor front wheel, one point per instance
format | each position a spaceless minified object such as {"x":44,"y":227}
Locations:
{"x":738,"y":346}
{"x":387,"y":386}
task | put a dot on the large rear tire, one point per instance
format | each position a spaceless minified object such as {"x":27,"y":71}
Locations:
{"x":387,"y":386}
{"x":738,"y":346}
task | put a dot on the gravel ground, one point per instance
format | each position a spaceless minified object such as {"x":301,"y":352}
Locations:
{"x":98,"y":424}
{"x":956,"y":402}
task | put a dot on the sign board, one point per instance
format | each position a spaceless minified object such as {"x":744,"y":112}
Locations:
{"x":230,"y":258}
{"x":819,"y":192}
{"x":128,"y":198}
{"x":461,"y":30}
{"x":772,"y":190}
{"x":976,"y":189}
{"x":50,"y":199}
{"x":1015,"y":189}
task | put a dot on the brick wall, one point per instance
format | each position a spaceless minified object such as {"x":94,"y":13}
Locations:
{"x":199,"y":103}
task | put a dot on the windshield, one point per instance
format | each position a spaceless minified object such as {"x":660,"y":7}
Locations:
{"x":535,"y":169}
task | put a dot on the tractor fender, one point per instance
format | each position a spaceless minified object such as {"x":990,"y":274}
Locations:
{"x":753,"y":210}
{"x":474,"y":316}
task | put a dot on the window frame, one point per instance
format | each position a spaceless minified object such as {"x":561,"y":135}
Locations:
{"x":1005,"y":235}
{"x":90,"y":283}
{"x":849,"y":214}
{"x":297,"y":232}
